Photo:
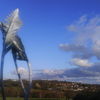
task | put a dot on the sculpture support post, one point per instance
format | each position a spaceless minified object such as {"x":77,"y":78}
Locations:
{"x":21,"y":82}
{"x":30,"y":81}
{"x":1,"y":74}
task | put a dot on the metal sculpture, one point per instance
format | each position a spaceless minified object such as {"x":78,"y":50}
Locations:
{"x":11,"y":41}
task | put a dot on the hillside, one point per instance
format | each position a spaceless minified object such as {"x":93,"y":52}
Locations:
{"x":51,"y":89}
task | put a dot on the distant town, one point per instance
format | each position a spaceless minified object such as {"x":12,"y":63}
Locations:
{"x":50,"y":89}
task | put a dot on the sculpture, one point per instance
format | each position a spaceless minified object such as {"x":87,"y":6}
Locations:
{"x":11,"y":41}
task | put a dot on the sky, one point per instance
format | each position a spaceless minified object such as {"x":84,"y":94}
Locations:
{"x":57,"y":34}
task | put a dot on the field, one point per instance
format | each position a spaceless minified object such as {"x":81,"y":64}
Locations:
{"x":34,"y":99}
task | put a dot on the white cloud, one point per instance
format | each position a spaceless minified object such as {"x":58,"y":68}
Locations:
{"x":78,"y":50}
{"x":86,"y":29}
{"x":22,"y":71}
{"x":84,"y":75}
{"x":81,"y":62}
{"x":73,"y":47}
{"x":87,"y":39}
{"x":96,"y":49}
{"x":52,"y":72}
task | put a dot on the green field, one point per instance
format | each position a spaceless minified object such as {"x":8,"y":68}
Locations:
{"x":34,"y":99}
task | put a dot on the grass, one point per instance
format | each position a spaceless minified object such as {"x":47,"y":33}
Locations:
{"x":13,"y":98}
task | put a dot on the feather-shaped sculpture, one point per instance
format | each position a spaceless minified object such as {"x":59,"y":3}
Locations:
{"x":13,"y":23}
{"x":11,"y":41}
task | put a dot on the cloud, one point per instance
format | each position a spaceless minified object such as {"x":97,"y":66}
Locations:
{"x":80,"y":51}
{"x":52,"y":72}
{"x":84,"y":74}
{"x":73,"y":47}
{"x":81,"y":62}
{"x":22,"y":71}
{"x":86,"y":44}
{"x":86,"y":30}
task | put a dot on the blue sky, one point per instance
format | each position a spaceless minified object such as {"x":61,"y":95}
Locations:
{"x":44,"y":28}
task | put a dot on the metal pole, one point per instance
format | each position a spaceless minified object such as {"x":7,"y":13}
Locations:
{"x":30,"y":80}
{"x":21,"y":82}
{"x":1,"y":75}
